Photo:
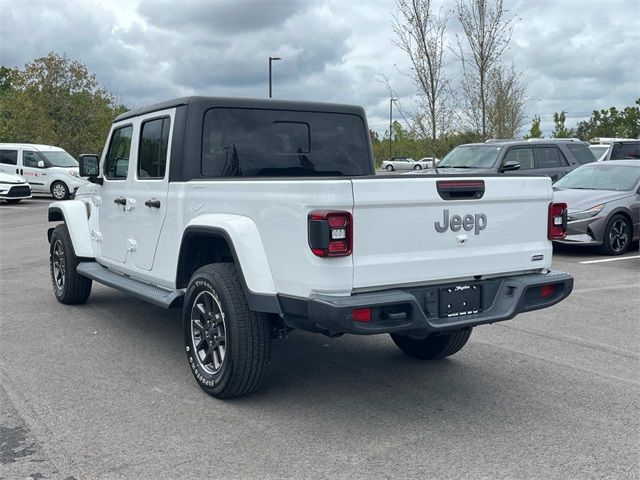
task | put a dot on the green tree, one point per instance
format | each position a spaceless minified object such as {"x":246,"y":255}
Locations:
{"x":55,"y":100}
{"x":535,"y":131}
{"x":611,"y":122}
{"x":560,"y":130}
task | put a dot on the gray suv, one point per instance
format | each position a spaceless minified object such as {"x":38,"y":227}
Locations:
{"x":553,"y":157}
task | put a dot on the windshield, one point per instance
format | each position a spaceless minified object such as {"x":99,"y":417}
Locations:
{"x":60,"y":159}
{"x":601,"y":176}
{"x":471,"y":156}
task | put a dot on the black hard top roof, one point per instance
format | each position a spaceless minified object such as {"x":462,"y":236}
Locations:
{"x":237,"y":102}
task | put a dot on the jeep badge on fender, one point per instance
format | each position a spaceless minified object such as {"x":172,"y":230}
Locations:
{"x":477,"y":223}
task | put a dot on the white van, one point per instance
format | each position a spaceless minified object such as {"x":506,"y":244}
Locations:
{"x":48,"y":169}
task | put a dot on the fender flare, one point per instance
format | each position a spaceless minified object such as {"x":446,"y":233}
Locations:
{"x":74,"y":214}
{"x":246,"y":246}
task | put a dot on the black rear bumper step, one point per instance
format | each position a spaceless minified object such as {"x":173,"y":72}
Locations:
{"x":417,"y":309}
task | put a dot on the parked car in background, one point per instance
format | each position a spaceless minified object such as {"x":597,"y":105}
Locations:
{"x":427,"y":162}
{"x":621,"y":148}
{"x":48,"y":169}
{"x":552,"y":157}
{"x":13,"y":188}
{"x":402,"y":163}
{"x":603,"y":201}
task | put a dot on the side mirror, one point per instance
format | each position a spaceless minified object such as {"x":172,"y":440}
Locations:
{"x":40,"y":163}
{"x":510,"y":165}
{"x":90,"y":167}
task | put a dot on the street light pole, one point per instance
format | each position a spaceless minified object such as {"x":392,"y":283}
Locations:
{"x":271,"y":59}
{"x":391,"y":100}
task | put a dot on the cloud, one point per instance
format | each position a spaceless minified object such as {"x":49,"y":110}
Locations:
{"x":572,"y":59}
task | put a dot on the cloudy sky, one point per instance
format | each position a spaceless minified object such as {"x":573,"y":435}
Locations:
{"x":575,"y":56}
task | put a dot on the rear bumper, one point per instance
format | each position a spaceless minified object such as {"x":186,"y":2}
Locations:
{"x":416,"y":309}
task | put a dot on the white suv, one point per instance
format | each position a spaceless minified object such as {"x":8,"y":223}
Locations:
{"x":47,"y":169}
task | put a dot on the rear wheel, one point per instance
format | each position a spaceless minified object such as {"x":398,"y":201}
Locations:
{"x":418,"y":167}
{"x":59,"y":190}
{"x":434,"y":346}
{"x":69,"y":286}
{"x":12,"y":201}
{"x":617,"y":236}
{"x":228,"y":346}
{"x":389,"y":168}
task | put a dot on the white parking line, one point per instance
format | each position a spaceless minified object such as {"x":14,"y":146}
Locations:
{"x":610,"y":259}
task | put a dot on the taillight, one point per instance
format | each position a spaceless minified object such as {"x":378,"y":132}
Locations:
{"x":557,"y":221}
{"x":330,"y":233}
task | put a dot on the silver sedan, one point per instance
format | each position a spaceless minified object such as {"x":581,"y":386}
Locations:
{"x":603,"y":203}
{"x":402,"y":163}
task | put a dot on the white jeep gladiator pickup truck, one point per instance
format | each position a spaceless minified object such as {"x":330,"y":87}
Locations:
{"x":261,"y":216}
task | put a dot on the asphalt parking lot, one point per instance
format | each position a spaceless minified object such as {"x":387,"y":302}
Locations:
{"x":103,"y":390}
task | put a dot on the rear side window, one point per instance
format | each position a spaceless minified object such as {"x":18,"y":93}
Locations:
{"x":625,"y":151}
{"x":10,"y":157}
{"x":152,"y":156}
{"x":524,"y":156}
{"x":258,"y":142}
{"x":549,"y":157}
{"x":116,"y":164}
{"x":581,"y":152}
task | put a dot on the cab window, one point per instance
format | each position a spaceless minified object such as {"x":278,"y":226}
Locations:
{"x":31,"y":159}
{"x":116,"y":164}
{"x":152,"y":155}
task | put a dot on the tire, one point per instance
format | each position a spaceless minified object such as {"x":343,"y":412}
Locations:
{"x":69,"y":286}
{"x":228,"y":346}
{"x":617,"y":236}
{"x":389,"y":168}
{"x":12,"y":201}
{"x":418,"y":167}
{"x":433,"y":346}
{"x":59,"y":190}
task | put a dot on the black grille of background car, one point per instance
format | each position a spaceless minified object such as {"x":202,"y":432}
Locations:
{"x":19,"y":192}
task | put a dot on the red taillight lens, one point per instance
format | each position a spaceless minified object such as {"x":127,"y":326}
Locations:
{"x":330,"y":233}
{"x":547,"y":290}
{"x":557,"y":221}
{"x":361,"y":314}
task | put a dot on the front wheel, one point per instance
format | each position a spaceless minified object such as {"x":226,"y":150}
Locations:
{"x":389,"y":168}
{"x":228,"y":346}
{"x":12,"y":201}
{"x":69,"y":286}
{"x":617,"y":236}
{"x":418,"y":167}
{"x":59,"y":191}
{"x":434,"y":346}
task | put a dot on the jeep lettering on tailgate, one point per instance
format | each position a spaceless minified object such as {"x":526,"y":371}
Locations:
{"x":477,"y":222}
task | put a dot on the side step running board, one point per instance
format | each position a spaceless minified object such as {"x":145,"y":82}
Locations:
{"x":144,"y":291}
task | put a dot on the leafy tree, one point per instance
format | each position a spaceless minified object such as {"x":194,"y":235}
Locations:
{"x":611,"y":122}
{"x":535,"y":131}
{"x":505,"y":103}
{"x":560,"y":130}
{"x":487,"y":32}
{"x":420,"y":34}
{"x":55,"y":100}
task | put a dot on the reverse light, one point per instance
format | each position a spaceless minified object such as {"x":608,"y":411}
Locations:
{"x":557,"y":229}
{"x":330,"y":233}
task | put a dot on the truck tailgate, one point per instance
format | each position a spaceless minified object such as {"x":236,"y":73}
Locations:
{"x":396,"y":241}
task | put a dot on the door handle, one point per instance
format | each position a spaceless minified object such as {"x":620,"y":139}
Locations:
{"x":120,"y":201}
{"x":18,"y":171}
{"x":153,"y":203}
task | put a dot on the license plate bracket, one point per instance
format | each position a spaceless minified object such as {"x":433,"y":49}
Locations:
{"x":459,"y":300}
